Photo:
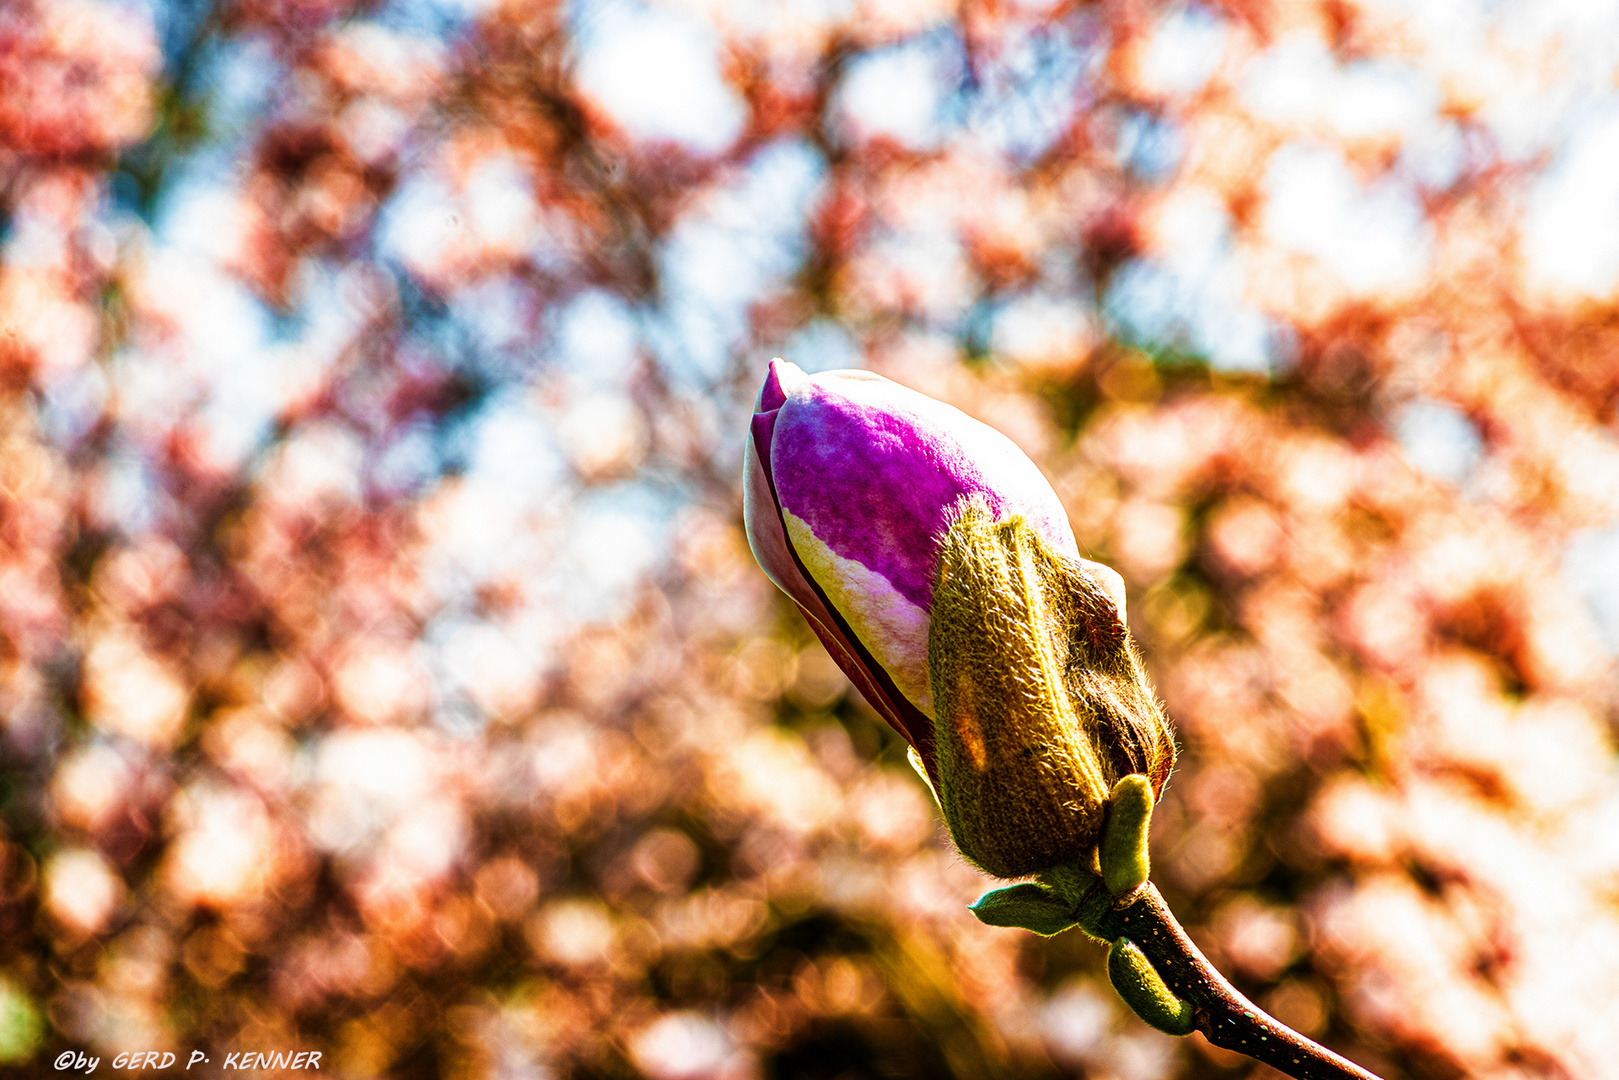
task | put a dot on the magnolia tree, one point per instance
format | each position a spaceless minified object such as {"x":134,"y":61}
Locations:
{"x":384,"y":671}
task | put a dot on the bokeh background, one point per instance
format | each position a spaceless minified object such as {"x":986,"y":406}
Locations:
{"x":383,"y":670}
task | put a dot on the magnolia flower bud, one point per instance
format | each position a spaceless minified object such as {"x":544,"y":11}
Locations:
{"x":936,"y":564}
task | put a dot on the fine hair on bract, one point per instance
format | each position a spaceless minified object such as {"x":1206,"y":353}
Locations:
{"x":1041,"y":699}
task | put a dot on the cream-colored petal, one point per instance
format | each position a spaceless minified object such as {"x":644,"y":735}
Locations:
{"x":893,"y":630}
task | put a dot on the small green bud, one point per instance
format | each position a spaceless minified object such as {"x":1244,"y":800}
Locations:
{"x":1041,"y":700}
{"x":1143,"y":989}
{"x":1030,"y":906}
{"x":1125,"y":862}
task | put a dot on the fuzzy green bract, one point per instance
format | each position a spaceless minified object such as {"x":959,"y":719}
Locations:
{"x":1042,"y":701}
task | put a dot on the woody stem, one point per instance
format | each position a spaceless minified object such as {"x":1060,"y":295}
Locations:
{"x":1225,"y":1017}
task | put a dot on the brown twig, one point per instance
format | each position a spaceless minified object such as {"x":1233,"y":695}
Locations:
{"x":1223,"y":1015}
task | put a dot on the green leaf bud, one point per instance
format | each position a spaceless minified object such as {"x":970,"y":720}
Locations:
{"x":1125,"y":862}
{"x":1143,"y":989}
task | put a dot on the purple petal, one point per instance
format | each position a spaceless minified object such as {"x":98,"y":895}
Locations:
{"x":878,"y":471}
{"x":775,"y":556}
{"x":778,"y":380}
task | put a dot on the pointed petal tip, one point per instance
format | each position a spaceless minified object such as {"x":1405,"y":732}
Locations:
{"x":779,"y":382}
{"x":789,"y":372}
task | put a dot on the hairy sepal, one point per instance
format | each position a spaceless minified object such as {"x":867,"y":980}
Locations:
{"x":1041,"y":699}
